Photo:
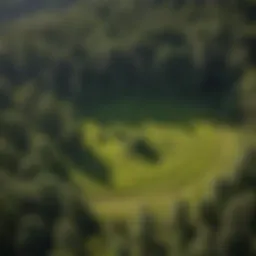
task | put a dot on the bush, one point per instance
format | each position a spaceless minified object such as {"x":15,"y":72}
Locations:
{"x":140,"y":147}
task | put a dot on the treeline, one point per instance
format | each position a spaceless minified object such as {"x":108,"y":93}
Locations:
{"x":95,"y":55}
{"x":42,"y":212}
{"x":98,"y":52}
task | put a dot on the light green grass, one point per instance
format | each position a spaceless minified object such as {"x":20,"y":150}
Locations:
{"x":190,"y":159}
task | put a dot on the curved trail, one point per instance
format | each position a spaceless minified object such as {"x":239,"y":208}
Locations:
{"x":227,"y":160}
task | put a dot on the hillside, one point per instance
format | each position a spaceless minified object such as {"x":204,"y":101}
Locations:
{"x":94,"y":56}
{"x":191,"y":155}
{"x":116,"y":118}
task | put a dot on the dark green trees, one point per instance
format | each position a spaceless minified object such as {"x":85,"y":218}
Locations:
{"x":41,"y":210}
{"x":225,"y":221}
{"x":92,"y":58}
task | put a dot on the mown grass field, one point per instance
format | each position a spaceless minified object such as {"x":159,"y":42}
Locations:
{"x":191,"y":156}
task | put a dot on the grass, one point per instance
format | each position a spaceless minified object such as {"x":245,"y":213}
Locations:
{"x":190,"y":158}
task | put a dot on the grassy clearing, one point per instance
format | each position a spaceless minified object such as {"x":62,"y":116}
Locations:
{"x":190,"y":159}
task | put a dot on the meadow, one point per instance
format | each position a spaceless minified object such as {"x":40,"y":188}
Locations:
{"x":191,"y":154}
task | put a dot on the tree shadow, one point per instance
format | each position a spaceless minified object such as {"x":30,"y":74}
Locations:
{"x":142,"y":148}
{"x":94,"y":167}
{"x":137,"y":111}
{"x":86,"y":161}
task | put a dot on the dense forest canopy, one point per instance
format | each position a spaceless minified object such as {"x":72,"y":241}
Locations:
{"x":98,"y":52}
{"x":53,"y":66}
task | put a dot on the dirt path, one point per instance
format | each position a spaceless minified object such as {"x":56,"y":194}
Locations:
{"x":130,"y":204}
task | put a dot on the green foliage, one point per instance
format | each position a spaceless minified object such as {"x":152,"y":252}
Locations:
{"x":224,"y":223}
{"x":39,"y":131}
{"x":31,"y":209}
{"x":96,"y":53}
{"x":36,"y":191}
{"x":248,"y":95}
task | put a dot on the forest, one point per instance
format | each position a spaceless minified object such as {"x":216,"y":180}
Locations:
{"x":60,"y":68}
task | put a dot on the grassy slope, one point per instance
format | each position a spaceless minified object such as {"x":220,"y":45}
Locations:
{"x":192,"y":155}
